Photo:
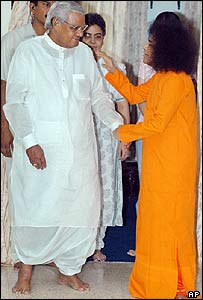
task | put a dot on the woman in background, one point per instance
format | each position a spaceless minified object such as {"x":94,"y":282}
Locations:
{"x":111,"y":152}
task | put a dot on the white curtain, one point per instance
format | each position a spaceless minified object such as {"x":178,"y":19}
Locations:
{"x":199,"y":196}
{"x":20,"y":15}
{"x":193,"y":11}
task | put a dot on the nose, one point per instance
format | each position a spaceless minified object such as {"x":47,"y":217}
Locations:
{"x":92,"y":39}
{"x":79,"y":33}
{"x":145,"y":46}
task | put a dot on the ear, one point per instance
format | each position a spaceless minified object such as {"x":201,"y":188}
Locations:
{"x":32,"y":7}
{"x":55,"y":22}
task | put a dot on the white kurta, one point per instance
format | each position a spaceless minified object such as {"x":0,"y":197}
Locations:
{"x":51,"y":94}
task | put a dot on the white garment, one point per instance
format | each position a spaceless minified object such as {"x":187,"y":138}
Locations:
{"x":109,"y":164}
{"x":110,"y":168}
{"x":68,"y":248}
{"x":145,"y":73}
{"x":58,"y":116}
{"x":9,"y":43}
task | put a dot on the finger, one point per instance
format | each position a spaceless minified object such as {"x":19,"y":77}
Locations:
{"x":8,"y":152}
{"x":11,"y":147}
{"x":43,"y":162}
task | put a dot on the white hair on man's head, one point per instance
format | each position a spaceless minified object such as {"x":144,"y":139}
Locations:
{"x":62,"y":10}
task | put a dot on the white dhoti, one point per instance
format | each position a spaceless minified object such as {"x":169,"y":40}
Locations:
{"x":67,"y":247}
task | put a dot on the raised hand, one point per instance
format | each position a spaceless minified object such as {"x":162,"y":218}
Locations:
{"x":109,"y":64}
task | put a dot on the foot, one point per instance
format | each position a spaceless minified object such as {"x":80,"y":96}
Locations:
{"x":22,"y":285}
{"x":98,"y":256}
{"x":74,"y":282}
{"x":131,"y":252}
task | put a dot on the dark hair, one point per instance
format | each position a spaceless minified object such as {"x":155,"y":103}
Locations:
{"x":174,"y":45}
{"x":95,"y":19}
{"x":35,"y":2}
{"x":168,"y":18}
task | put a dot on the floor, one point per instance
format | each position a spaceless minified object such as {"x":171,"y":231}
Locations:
{"x":107,"y":281}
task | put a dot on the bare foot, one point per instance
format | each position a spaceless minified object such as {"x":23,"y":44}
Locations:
{"x":98,"y":256}
{"x":22,"y":285}
{"x":131,"y":252}
{"x":74,"y":282}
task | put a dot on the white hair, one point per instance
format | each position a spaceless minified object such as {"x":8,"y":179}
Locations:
{"x":62,"y":10}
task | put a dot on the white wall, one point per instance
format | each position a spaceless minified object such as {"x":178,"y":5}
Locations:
{"x":160,"y":6}
{"x":5,"y":16}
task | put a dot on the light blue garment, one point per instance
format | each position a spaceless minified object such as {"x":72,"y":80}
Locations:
{"x":138,"y":145}
{"x":139,"y":156}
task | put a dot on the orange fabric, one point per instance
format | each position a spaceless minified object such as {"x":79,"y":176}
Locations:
{"x":166,"y":211}
{"x":180,"y":288}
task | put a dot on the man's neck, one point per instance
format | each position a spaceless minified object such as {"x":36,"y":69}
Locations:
{"x":38,"y":28}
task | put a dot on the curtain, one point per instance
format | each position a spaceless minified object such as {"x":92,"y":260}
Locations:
{"x":193,"y":11}
{"x":20,"y":15}
{"x":199,"y":195}
{"x":5,"y":222}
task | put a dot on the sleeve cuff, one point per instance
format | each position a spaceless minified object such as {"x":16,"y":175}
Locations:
{"x":29,"y":141}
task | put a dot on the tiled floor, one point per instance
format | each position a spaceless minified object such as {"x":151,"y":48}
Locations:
{"x":107,"y":280}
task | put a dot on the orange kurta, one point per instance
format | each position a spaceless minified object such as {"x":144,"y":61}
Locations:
{"x":165,"y":234}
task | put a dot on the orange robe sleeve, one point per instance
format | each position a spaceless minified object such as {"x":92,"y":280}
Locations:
{"x":133,"y":94}
{"x":171,"y":87}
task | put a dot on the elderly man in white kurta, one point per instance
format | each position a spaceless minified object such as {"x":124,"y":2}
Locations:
{"x":53,"y":89}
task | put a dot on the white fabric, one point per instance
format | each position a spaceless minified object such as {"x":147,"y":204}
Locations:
{"x":199,"y":204}
{"x":58,"y":114}
{"x":110,"y":168}
{"x":100,"y":237}
{"x":67,"y":247}
{"x":145,"y":73}
{"x":10,"y":42}
{"x":20,"y":14}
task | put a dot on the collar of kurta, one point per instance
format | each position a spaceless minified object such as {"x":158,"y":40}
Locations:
{"x":53,"y":45}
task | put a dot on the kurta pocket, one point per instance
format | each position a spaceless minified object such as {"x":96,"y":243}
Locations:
{"x":81,"y":87}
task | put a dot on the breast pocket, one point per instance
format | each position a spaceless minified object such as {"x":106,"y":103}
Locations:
{"x":81,"y":87}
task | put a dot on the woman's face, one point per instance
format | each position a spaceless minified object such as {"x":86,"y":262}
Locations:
{"x":93,"y":37}
{"x":148,"y":52}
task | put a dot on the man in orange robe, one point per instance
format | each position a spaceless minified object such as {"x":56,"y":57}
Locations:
{"x":165,"y":265}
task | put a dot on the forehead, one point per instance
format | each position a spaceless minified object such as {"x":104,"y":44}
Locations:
{"x":76,"y":18}
{"x":46,"y":2}
{"x":94,"y":29}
